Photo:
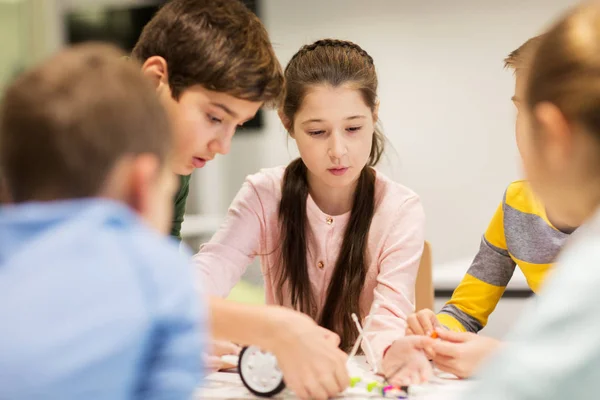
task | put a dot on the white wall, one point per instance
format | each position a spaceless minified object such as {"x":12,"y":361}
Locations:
{"x":11,"y":38}
{"x":445,"y":98}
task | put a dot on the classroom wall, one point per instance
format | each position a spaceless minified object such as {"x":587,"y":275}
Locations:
{"x":444,"y":98}
{"x":11,"y":38}
{"x":445,"y":101}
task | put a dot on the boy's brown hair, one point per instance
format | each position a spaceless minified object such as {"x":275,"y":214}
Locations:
{"x":219,"y":44}
{"x":65,"y":124}
{"x":521,"y":57}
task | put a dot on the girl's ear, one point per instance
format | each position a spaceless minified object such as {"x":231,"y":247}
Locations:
{"x":287,"y":124}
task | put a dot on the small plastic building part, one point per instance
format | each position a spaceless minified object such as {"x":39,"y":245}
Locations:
{"x":434,"y":335}
{"x":394,"y":392}
{"x":373,"y":385}
{"x":354,"y":381}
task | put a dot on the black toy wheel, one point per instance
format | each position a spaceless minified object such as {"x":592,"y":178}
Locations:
{"x":259,"y":372}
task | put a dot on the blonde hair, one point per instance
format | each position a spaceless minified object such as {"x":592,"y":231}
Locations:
{"x":521,"y":57}
{"x":565,"y":69}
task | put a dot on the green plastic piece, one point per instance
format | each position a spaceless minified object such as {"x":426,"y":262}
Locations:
{"x":372,"y":385}
{"x":354,"y":381}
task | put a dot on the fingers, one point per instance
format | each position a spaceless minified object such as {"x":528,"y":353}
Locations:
{"x":341,"y":373}
{"x":426,"y":321}
{"x":410,"y":375}
{"x":409,"y":332}
{"x":452,"y":366}
{"x":317,"y":391}
{"x":222,"y":347}
{"x":214,"y":363}
{"x":415,"y":325}
{"x":426,"y":373}
{"x":419,"y":342}
{"x":323,"y":380}
{"x":446,"y":349}
{"x":451,"y":336}
{"x":299,"y":390}
{"x":330,"y":384}
{"x":400,"y":378}
{"x":422,"y":323}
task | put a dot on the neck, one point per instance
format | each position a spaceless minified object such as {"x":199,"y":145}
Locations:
{"x":331,"y":200}
{"x":583,"y":204}
{"x":562,"y":226}
{"x":587,"y":204}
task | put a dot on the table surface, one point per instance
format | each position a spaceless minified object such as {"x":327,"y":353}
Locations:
{"x":228,"y":385}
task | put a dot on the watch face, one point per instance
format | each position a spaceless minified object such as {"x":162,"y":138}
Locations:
{"x":259,"y":371}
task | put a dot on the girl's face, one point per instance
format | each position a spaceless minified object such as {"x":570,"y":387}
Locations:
{"x":334,"y":131}
{"x":556,"y":158}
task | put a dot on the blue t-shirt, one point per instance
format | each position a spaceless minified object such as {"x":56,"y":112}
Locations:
{"x":94,"y":305}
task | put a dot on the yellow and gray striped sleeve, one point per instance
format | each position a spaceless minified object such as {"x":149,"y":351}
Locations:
{"x":478,"y":293}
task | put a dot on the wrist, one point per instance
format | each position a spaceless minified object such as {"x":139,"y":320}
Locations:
{"x":275,"y":333}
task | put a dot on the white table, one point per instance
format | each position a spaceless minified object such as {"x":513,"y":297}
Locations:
{"x":228,"y":385}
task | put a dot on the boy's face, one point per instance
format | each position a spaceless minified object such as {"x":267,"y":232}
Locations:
{"x":204,"y":123}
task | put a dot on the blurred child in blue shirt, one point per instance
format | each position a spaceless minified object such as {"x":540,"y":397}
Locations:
{"x":96,"y":302}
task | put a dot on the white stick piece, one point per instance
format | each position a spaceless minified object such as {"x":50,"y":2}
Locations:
{"x":358,"y":339}
{"x":362,"y":336}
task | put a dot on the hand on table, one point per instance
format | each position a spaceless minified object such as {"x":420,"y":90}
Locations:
{"x":405,"y":362}
{"x":218,"y":348}
{"x":461,"y":353}
{"x":312,"y":364}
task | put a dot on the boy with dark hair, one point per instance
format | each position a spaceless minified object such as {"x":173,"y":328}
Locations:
{"x":213,"y":66}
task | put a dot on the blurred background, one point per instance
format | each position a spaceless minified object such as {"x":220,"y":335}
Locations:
{"x":445,"y":104}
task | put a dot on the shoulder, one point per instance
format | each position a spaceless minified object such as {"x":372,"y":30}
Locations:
{"x":158,"y":260}
{"x":391,"y":196}
{"x":398,"y":210}
{"x":267,"y":183}
{"x":520,"y":196}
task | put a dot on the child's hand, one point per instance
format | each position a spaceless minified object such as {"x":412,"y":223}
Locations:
{"x":312,"y":364}
{"x":461,"y":353}
{"x":423,"y":322}
{"x":218,"y":348}
{"x":405,"y":362}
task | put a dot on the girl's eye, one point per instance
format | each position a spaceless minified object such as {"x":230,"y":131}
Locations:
{"x":214,"y":119}
{"x":354,"y":128}
{"x":315,"y":133}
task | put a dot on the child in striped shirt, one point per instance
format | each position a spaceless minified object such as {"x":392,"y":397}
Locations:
{"x":554,"y":350}
{"x":522,"y":232}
